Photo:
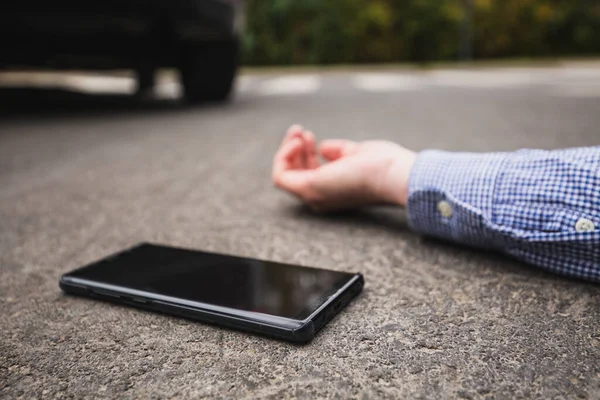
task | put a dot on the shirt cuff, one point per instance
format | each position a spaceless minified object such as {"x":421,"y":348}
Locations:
{"x":450,"y":195}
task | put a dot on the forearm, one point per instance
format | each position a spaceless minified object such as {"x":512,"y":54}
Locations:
{"x":539,"y":206}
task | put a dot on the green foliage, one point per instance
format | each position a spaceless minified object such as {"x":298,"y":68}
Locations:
{"x":284,"y":32}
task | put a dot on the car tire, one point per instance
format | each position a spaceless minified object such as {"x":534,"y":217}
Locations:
{"x":208,"y":73}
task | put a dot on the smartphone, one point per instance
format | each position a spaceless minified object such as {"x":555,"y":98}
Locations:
{"x":279,"y":300}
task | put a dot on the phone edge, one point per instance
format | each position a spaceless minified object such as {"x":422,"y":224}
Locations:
{"x":300,"y":334}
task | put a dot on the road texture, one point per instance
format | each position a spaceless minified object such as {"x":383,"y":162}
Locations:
{"x":83,"y":176}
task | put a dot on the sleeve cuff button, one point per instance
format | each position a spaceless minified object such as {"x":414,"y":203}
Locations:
{"x":445,"y":209}
{"x":584,"y":225}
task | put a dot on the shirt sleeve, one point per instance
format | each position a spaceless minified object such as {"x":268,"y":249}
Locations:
{"x":542,"y":207}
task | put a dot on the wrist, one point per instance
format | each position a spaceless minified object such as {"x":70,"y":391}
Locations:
{"x":397,"y":177}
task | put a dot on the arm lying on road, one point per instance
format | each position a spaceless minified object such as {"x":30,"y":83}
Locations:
{"x":542,"y":207}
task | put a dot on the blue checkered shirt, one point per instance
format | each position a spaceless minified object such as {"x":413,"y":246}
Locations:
{"x":542,"y":207}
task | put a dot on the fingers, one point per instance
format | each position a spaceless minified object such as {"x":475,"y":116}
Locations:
{"x":334,"y":149}
{"x":307,"y":158}
{"x":293,"y":131}
{"x":296,"y":161}
{"x":287,"y":157}
{"x":312,"y":160}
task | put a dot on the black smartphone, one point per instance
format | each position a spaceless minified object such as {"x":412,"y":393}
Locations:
{"x":279,"y":300}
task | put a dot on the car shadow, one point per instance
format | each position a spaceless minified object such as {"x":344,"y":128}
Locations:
{"x":25,"y":102}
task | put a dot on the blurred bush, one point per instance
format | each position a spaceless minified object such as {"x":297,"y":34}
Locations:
{"x":368,"y":31}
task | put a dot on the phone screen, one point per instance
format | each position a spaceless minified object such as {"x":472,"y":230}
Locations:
{"x":241,"y":283}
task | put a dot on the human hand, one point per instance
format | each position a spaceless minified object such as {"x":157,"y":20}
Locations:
{"x":355,"y":173}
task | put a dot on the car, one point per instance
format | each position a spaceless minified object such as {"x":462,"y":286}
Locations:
{"x":200,"y":38}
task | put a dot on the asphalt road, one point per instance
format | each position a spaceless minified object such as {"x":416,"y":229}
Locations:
{"x":83,"y":176}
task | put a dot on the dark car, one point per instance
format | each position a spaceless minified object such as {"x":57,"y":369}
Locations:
{"x":198,"y":37}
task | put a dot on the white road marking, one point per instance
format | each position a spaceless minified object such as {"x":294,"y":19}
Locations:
{"x":486,"y":79}
{"x":18,"y":79}
{"x":571,"y":81}
{"x":290,"y":85}
{"x":387,"y":82}
{"x":99,"y":84}
{"x":78,"y":82}
{"x":168,"y":91}
{"x":244,"y":83}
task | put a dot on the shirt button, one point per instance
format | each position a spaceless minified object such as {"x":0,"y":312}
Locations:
{"x":584,"y":225}
{"x":445,"y":209}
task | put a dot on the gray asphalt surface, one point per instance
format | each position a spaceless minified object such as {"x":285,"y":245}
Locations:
{"x":83,"y":176}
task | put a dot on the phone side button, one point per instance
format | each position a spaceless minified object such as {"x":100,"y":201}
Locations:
{"x":141,"y":301}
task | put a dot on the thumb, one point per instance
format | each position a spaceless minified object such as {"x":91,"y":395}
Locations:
{"x":294,"y":181}
{"x":333,"y":149}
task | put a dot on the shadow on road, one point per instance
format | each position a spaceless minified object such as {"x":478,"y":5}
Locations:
{"x":17,"y":102}
{"x":394,"y":221}
{"x":385,"y":218}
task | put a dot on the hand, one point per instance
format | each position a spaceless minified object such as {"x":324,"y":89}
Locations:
{"x":355,"y":173}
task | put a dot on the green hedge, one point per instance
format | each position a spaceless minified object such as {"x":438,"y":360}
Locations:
{"x":283,"y":32}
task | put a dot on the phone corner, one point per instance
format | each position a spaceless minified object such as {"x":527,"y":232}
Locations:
{"x":63,"y":283}
{"x":66,"y":285}
{"x":361,"y":278}
{"x":358,"y":284}
{"x":304,"y":333}
{"x":63,"y":279}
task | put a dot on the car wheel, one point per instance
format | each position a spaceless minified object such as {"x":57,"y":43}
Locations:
{"x":208,"y":73}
